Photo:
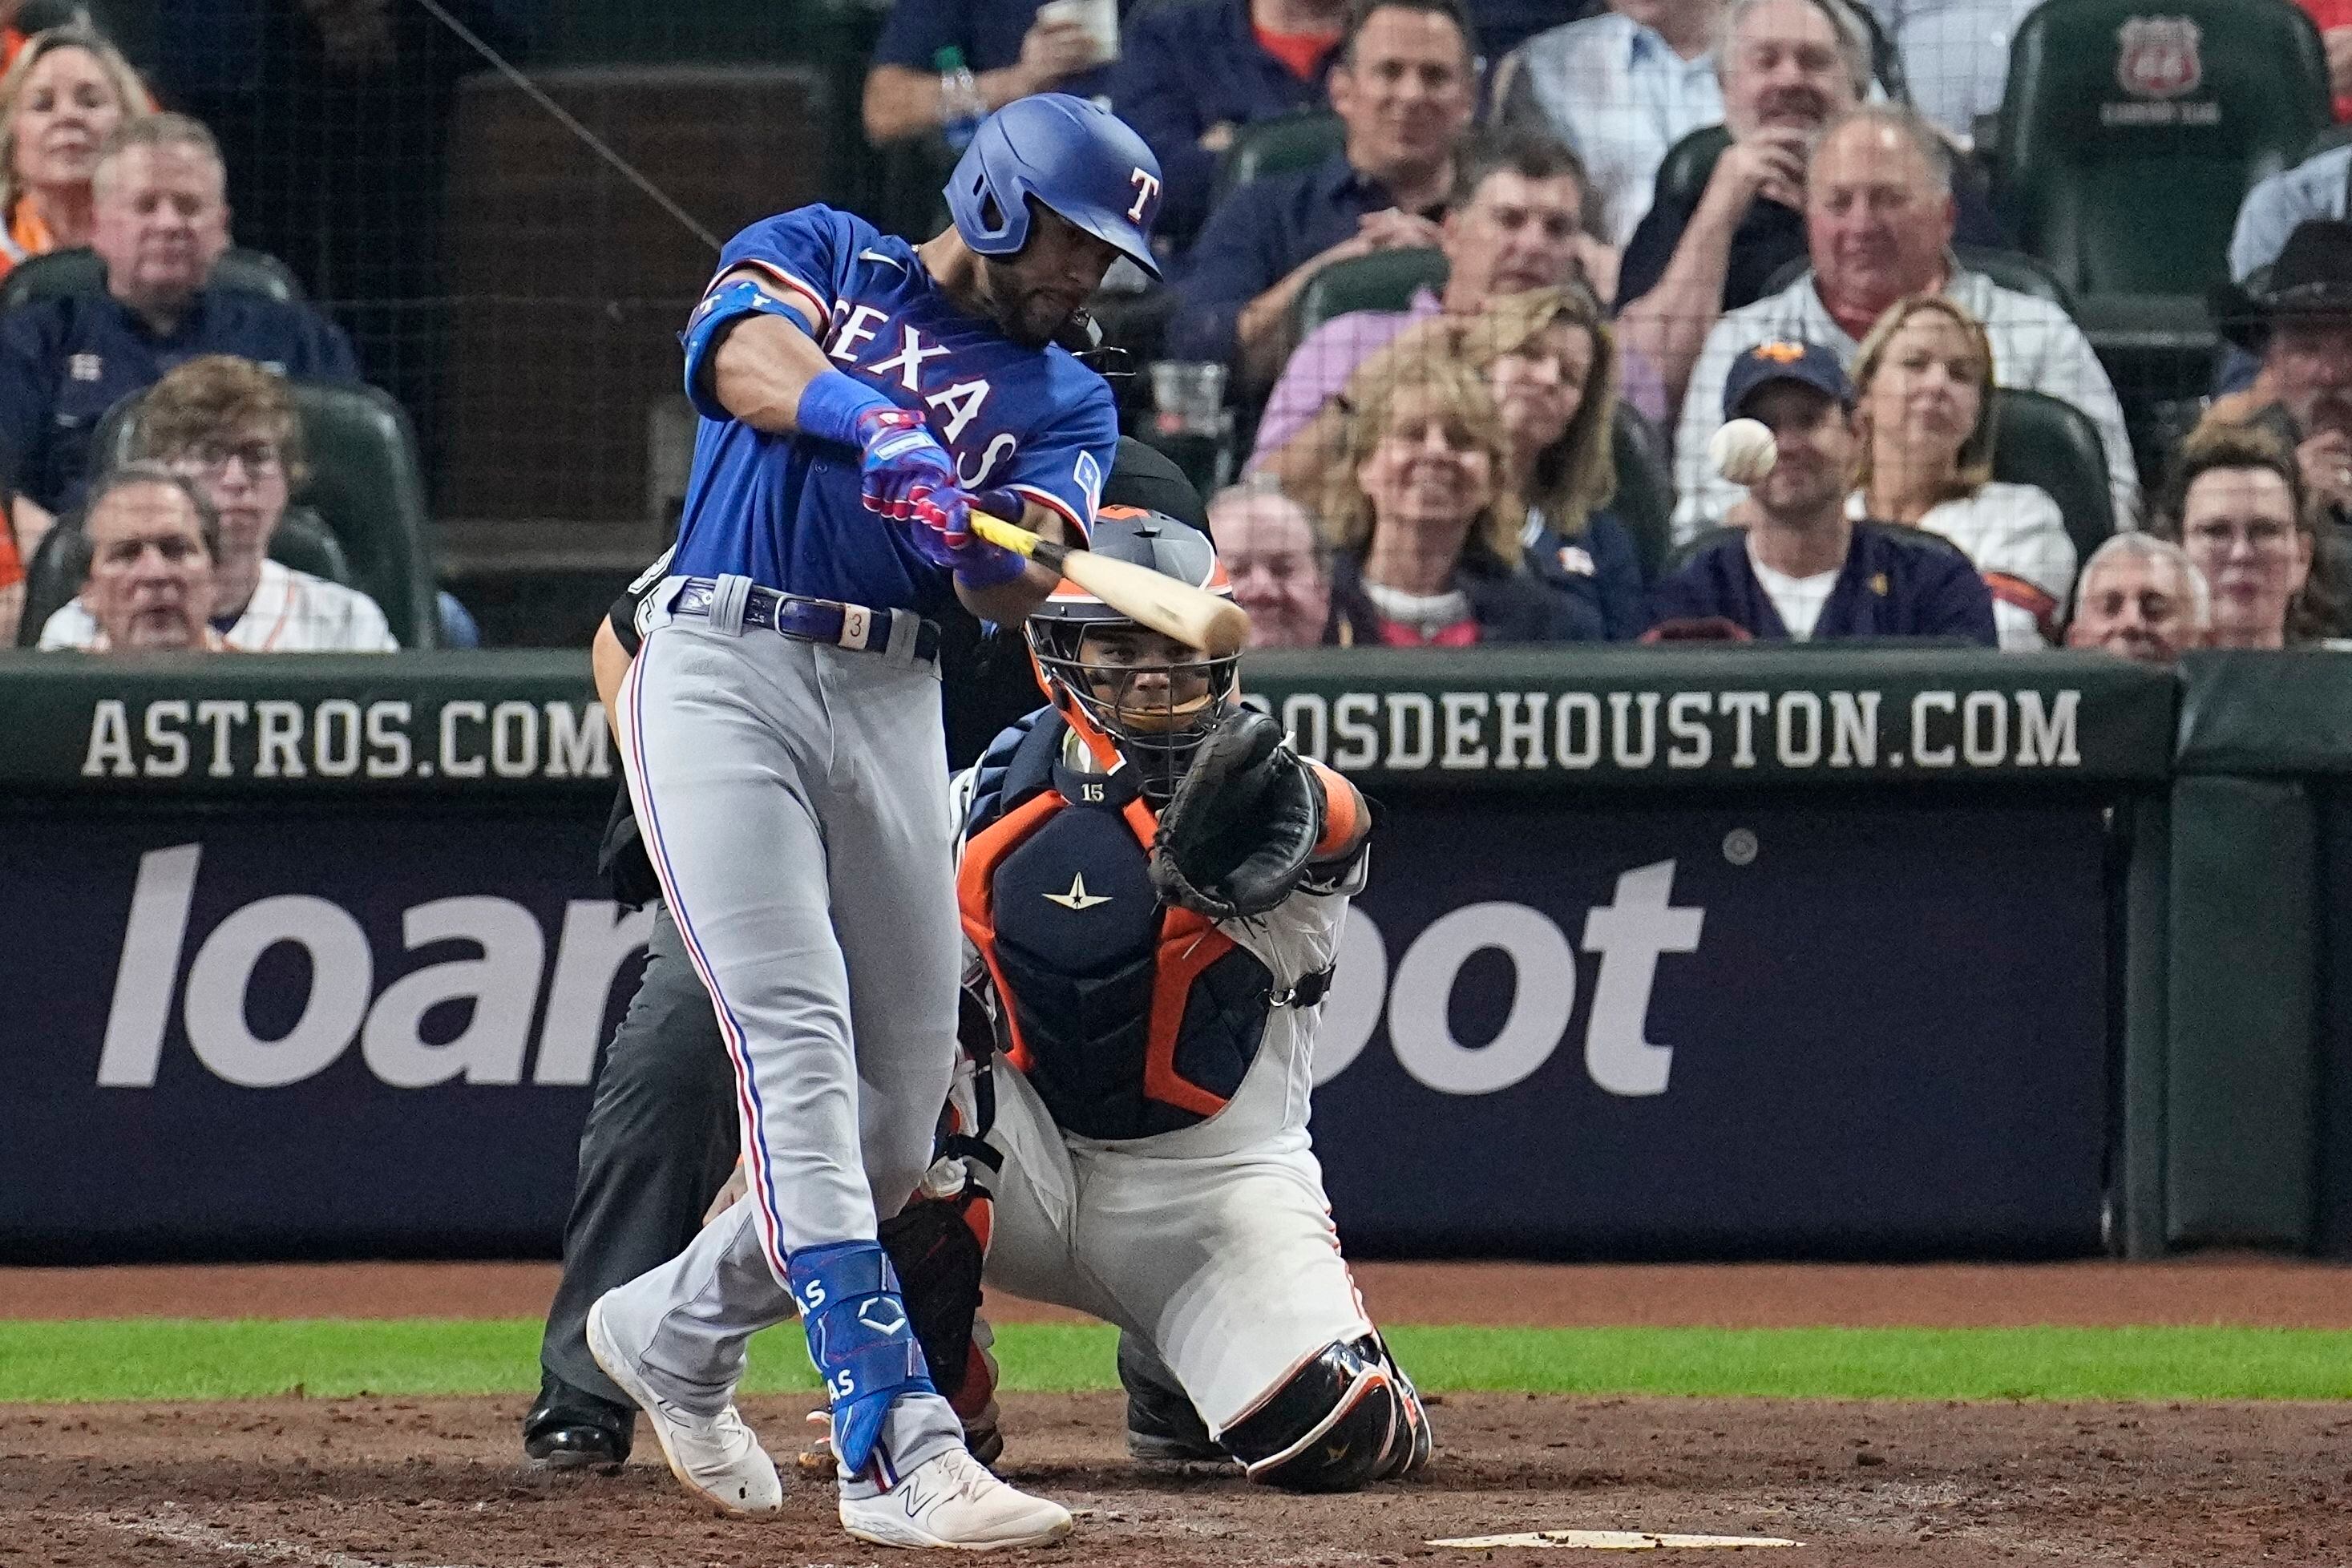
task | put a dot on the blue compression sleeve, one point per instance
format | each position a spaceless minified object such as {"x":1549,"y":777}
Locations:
{"x":834,"y":404}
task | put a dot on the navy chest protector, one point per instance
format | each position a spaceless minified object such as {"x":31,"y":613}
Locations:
{"x":1128,"y":1016}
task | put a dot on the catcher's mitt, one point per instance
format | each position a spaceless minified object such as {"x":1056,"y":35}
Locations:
{"x":1235,"y":838}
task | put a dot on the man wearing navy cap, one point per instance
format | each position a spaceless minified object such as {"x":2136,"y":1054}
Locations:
{"x":1800,"y":571}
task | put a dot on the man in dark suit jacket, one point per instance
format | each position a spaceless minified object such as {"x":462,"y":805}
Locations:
{"x":1801,"y":569}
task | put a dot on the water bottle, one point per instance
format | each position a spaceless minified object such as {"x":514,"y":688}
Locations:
{"x":962,"y":108}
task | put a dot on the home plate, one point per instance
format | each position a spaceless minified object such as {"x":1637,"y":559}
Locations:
{"x":1617,"y":1541}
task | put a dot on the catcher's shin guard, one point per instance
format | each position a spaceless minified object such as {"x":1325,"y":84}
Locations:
{"x":1419,"y":1442}
{"x":1346,"y":1417}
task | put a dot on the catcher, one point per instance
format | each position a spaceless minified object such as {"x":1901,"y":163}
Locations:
{"x":1152,"y":889}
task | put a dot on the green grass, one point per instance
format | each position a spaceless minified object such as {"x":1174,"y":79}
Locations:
{"x":154,"y":1359}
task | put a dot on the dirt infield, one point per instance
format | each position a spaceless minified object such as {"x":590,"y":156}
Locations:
{"x":379,"y":1483}
{"x":394,"y":1484}
{"x":2261,"y":1291}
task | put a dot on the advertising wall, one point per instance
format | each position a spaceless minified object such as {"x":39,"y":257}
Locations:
{"x":1813,"y":963}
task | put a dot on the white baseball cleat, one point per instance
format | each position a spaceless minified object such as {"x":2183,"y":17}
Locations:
{"x":714,"y":1456}
{"x":952,"y":1502}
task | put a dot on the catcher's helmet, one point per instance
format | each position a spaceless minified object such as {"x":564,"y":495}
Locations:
{"x":1153,"y":715}
{"x":1075,"y":157}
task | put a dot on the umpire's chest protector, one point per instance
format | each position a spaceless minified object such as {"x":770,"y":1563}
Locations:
{"x":1128,"y":1017}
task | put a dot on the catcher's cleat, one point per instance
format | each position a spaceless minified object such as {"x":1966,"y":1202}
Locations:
{"x":1162,"y":1427}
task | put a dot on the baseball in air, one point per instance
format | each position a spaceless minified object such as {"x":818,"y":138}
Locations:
{"x":1743,"y":451}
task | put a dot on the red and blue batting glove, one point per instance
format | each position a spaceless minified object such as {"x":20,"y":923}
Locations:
{"x":942,"y":534}
{"x":901,"y":462}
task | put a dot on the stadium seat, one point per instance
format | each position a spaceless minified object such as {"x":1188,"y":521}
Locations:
{"x":2128,"y":139}
{"x":1645,"y":489}
{"x":1689,"y":164}
{"x":2040,"y":440}
{"x":1272,"y":147}
{"x":2327,"y":141}
{"x":2011,"y":270}
{"x":302,"y":541}
{"x":59,"y":273}
{"x":1384,"y":281}
{"x":364,"y":484}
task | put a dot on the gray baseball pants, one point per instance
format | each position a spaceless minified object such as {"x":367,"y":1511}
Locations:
{"x":793,"y":799}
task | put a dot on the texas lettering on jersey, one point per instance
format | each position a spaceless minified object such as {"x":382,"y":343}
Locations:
{"x":952,"y":408}
{"x":784,"y":511}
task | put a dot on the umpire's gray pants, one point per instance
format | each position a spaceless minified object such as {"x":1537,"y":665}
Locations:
{"x":660,"y":1138}
{"x":793,"y":799}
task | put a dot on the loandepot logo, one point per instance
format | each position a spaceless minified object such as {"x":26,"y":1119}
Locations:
{"x":1629,"y":934}
{"x":502,"y":985}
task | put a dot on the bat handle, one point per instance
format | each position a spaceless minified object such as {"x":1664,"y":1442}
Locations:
{"x":1018,"y":540}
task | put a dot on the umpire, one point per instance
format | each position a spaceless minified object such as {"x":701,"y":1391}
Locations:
{"x":660,"y":1138}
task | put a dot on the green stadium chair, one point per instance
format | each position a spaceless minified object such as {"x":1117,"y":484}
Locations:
{"x":1646,"y":490}
{"x":302,"y":541}
{"x":2133,"y":190}
{"x":60,"y":273}
{"x":1689,"y":164}
{"x":1384,"y":281}
{"x":1275,"y":146}
{"x":2040,"y":440}
{"x":363,"y":483}
{"x":2327,"y":141}
{"x":2127,"y":140}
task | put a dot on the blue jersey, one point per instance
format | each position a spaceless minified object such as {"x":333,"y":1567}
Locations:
{"x":783,"y":510}
{"x":1896,"y":582}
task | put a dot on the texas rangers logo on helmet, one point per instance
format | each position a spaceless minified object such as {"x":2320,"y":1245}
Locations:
{"x":1147,"y":185}
{"x":2158,"y":57}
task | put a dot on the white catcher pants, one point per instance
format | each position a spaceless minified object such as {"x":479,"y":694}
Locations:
{"x":1227,"y":1265}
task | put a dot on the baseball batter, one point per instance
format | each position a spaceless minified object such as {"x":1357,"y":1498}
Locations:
{"x":1152,"y":888}
{"x":781,"y":735}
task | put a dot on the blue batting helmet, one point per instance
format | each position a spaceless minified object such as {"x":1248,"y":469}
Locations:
{"x":1079,"y":160}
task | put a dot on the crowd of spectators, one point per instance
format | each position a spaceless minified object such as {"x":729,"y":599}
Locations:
{"x":1632,"y":221}
{"x":1618,"y":211}
{"x":169,"y":548}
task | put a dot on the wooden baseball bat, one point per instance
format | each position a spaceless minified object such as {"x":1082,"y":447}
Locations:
{"x":1193,"y":617}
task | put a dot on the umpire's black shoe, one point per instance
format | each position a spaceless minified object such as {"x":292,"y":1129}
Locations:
{"x":572,"y":1429}
{"x":1162,"y":1427}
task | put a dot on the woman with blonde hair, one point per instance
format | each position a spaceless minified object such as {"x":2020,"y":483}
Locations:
{"x":1549,"y":363}
{"x":66,"y":91}
{"x":1424,"y":520}
{"x":1924,"y":409}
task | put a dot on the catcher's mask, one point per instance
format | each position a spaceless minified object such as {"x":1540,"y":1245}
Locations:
{"x":1133,"y":695}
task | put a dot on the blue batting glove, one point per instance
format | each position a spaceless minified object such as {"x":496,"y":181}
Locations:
{"x":942,"y":534}
{"x":900,"y":460}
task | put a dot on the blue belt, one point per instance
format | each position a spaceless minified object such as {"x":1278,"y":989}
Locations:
{"x":899,"y":633}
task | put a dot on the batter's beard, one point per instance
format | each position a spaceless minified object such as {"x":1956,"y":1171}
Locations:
{"x":1017,"y":310}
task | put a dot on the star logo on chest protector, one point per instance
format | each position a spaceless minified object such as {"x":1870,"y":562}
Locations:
{"x":1078,"y":897}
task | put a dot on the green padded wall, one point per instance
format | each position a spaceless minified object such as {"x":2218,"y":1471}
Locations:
{"x":2240,"y":1075}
